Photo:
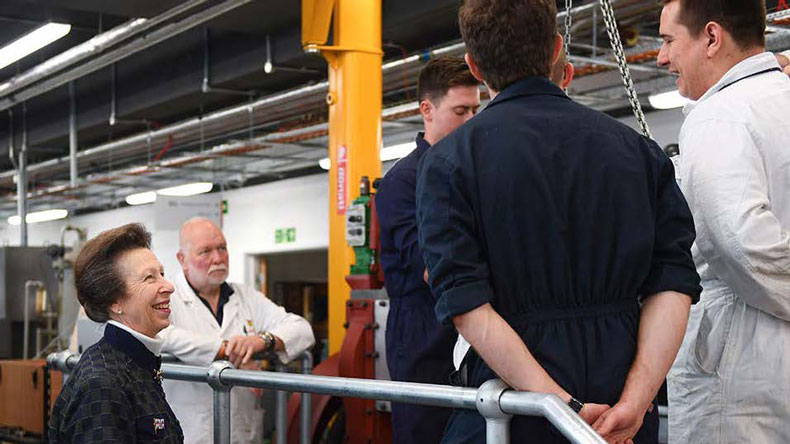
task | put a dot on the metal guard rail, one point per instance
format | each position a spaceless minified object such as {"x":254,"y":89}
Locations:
{"x":495,"y":401}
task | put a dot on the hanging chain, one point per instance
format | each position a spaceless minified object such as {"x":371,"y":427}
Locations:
{"x":567,"y":36}
{"x":625,"y":73}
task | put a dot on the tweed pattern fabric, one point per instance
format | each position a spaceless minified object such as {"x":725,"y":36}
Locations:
{"x":111,"y":398}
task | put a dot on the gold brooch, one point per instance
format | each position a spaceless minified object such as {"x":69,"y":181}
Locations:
{"x":158,"y":376}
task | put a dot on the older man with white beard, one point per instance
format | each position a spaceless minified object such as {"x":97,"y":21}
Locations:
{"x":212,"y":319}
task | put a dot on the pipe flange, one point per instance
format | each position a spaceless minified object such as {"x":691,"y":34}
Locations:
{"x":214,"y":371}
{"x":487,"y":399}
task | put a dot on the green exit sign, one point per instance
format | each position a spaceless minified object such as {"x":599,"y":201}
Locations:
{"x":285,"y":235}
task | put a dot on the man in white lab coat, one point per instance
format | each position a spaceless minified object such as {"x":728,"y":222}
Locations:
{"x":213,"y":319}
{"x":731,"y":380}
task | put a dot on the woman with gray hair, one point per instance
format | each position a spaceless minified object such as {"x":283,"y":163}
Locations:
{"x":114,"y":393}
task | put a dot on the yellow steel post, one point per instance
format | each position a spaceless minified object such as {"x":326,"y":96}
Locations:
{"x":354,"y":101}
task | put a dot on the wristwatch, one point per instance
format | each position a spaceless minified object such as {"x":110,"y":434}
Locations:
{"x":575,"y":405}
{"x":268,"y":340}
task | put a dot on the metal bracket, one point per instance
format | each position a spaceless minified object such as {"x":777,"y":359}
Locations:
{"x":497,"y":421}
{"x":215,"y":371}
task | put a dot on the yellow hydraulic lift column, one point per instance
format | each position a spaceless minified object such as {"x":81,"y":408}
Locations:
{"x":354,"y":101}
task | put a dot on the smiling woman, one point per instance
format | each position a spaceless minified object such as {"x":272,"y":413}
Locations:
{"x":114,"y":393}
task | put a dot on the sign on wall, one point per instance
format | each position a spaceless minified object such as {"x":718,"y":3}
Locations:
{"x":171,"y":211}
{"x":285,"y":235}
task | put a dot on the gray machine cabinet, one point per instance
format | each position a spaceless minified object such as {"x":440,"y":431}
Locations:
{"x":18,"y":265}
{"x":381,"y":308}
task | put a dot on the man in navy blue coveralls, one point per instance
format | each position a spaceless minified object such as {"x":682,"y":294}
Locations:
{"x":556,"y":239}
{"x":419,"y":349}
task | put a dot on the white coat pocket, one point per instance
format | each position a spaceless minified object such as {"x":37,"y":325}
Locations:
{"x":714,"y":333}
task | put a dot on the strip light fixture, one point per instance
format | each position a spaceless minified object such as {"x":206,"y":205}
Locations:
{"x":39,"y":216}
{"x":189,"y":189}
{"x":32,"y":42}
{"x":387,"y":153}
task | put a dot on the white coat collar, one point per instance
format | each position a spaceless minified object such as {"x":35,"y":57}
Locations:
{"x":744,"y":68}
{"x":154,"y":345}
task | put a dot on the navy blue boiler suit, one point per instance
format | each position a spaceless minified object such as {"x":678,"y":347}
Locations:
{"x":561,"y":217}
{"x":419,"y":349}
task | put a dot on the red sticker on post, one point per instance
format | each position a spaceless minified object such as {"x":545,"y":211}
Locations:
{"x":341,"y":180}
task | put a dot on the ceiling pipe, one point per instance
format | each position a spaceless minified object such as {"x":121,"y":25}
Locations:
{"x":72,"y":136}
{"x":108,"y":58}
{"x":91,"y":47}
{"x":205,"y":86}
{"x":21,"y":183}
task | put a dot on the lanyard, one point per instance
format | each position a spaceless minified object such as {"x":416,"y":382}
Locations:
{"x":750,"y":75}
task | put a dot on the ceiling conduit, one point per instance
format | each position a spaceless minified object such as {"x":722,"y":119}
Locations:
{"x":89,"y":48}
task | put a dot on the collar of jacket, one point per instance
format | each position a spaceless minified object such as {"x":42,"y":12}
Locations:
{"x":530,"y":86}
{"x":124,"y":342}
{"x":225,"y":291}
{"x":745,"y":68}
{"x":422,"y":144}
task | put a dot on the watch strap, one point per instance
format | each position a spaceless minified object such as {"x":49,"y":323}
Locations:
{"x":575,"y":405}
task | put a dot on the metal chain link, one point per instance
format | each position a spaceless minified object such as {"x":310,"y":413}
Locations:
{"x":567,"y":36}
{"x":625,"y":73}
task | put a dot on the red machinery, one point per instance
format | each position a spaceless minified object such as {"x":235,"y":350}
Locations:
{"x":351,"y":420}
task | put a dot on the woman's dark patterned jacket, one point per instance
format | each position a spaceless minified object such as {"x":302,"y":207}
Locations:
{"x":114,"y":395}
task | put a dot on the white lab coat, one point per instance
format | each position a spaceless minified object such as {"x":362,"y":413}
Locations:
{"x":731,"y":380}
{"x":195,"y":338}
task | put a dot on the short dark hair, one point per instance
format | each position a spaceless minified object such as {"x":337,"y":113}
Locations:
{"x":96,"y":276}
{"x":509,"y":39}
{"x":743,"y":19}
{"x":440,"y":74}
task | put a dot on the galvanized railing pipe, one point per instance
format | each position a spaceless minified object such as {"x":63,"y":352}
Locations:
{"x":492,"y":399}
{"x":306,"y":406}
{"x":552,"y":408}
{"x":280,"y":419}
{"x":221,"y":401}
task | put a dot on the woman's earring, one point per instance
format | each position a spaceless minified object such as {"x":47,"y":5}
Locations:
{"x":119,"y":311}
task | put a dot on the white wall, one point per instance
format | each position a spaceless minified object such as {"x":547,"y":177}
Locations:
{"x":254,"y":213}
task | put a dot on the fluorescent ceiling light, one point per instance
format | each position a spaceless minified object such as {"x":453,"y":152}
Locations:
{"x":668,"y":100}
{"x":141,"y":198}
{"x":189,"y":189}
{"x":39,"y":216}
{"x":32,"y":42}
{"x":387,"y":153}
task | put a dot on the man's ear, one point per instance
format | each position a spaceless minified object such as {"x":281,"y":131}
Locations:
{"x":180,"y":257}
{"x":714,"y":34}
{"x":555,"y":55}
{"x":473,"y":67}
{"x":567,"y":75}
{"x":426,"y":110}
